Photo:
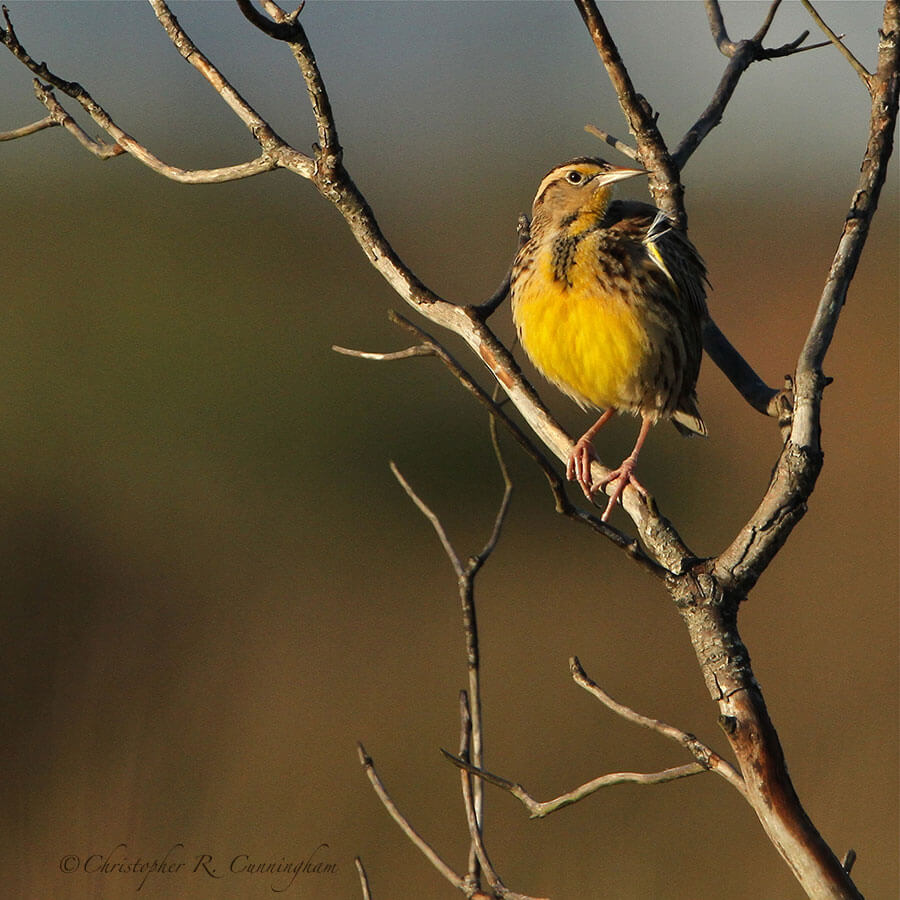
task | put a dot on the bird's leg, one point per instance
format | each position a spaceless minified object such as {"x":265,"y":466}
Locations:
{"x":622,"y":476}
{"x":578,"y":468}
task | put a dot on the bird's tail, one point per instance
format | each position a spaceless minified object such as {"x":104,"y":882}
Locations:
{"x":687,"y":418}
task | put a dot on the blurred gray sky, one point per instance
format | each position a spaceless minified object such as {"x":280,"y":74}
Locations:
{"x":406,"y":74}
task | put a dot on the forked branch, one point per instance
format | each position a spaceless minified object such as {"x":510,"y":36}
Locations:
{"x":705,"y":756}
{"x":423,"y":846}
{"x":538,"y":809}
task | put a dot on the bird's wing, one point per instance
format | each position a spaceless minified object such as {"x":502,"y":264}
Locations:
{"x":673,"y":252}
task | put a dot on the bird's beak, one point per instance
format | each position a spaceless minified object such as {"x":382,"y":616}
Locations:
{"x":620,"y":173}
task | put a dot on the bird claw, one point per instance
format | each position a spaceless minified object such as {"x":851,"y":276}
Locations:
{"x":578,"y":467}
{"x":620,"y":479}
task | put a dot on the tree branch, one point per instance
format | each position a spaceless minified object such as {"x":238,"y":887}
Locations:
{"x":122,"y":139}
{"x":739,"y":372}
{"x":717,"y":27}
{"x":606,"y":137}
{"x":465,"y":742}
{"x":741,"y":56}
{"x":538,"y":809}
{"x":363,"y":879}
{"x":423,"y":846}
{"x":665,"y":185}
{"x":784,"y":503}
{"x":835,"y":39}
{"x":25,"y":130}
{"x":705,"y":756}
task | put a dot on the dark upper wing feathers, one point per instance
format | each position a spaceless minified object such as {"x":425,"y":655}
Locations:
{"x":681,"y":260}
{"x":678,"y":257}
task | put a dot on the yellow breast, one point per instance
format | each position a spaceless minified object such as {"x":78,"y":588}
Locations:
{"x":581,"y":334}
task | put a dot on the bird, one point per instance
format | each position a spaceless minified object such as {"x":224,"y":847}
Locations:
{"x":609,"y":298}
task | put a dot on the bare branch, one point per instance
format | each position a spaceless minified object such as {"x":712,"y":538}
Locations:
{"x":739,"y":372}
{"x":539,"y":808}
{"x":835,"y":39}
{"x":124,"y":140}
{"x":487,"y":307}
{"x":741,"y":56}
{"x":767,"y":22}
{"x":435,"y":522}
{"x":99,"y":148}
{"x":704,"y":755}
{"x":25,"y":130}
{"x":717,"y":26}
{"x":465,"y":576}
{"x":472,"y":818}
{"x":621,"y":146}
{"x":794,"y":478}
{"x":478,"y":857}
{"x":424,"y":847}
{"x":280,"y":26}
{"x":476,"y":562}
{"x":363,"y":879}
{"x":288,"y":28}
{"x":258,"y":127}
{"x":652,"y":152}
{"x":408,"y":353}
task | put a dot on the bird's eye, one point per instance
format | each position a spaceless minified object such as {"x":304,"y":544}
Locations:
{"x":574,"y":177}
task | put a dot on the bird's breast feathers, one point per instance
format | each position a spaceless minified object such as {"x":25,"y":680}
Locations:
{"x":580,"y":323}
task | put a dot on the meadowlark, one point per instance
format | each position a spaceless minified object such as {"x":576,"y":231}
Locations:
{"x":609,"y":298}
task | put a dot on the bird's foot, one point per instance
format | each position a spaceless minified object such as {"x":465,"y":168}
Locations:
{"x":578,"y":467}
{"x":620,"y":479}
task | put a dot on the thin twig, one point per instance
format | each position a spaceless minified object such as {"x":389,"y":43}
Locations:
{"x":487,"y":307}
{"x":472,"y":729}
{"x":539,"y":808}
{"x":706,"y":756}
{"x":258,"y":126}
{"x":432,"y":517}
{"x":476,"y":562}
{"x":25,"y":130}
{"x":363,"y":879}
{"x":665,"y":185}
{"x":741,"y":56}
{"x":478,"y":858}
{"x":835,"y":39}
{"x":424,"y":847}
{"x":99,"y":148}
{"x":408,"y":353}
{"x":196,"y":176}
{"x":621,"y":146}
{"x":465,"y":742}
{"x":760,"y":35}
{"x":738,"y":371}
{"x":465,"y":579}
{"x":287,"y":28}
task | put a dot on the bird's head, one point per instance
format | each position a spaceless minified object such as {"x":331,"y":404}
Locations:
{"x":578,"y":191}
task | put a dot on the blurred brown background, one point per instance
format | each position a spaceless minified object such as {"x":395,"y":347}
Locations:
{"x":212,"y":585}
